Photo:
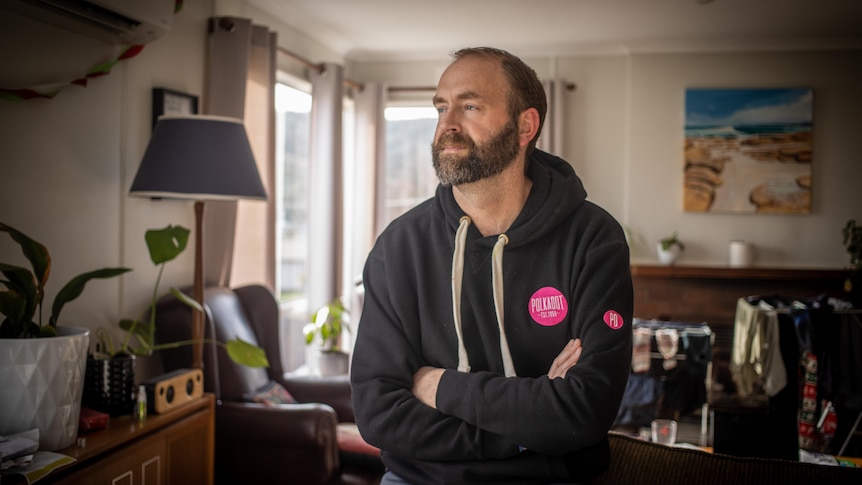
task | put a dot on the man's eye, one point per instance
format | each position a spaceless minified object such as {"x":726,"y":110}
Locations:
{"x":441,"y":109}
{"x":470,"y":106}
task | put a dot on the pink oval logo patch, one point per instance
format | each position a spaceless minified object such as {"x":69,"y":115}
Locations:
{"x":548,"y":306}
{"x":613,"y":320}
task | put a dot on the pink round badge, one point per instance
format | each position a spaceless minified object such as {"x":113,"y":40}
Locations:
{"x":613,"y":320}
{"x":548,"y":306}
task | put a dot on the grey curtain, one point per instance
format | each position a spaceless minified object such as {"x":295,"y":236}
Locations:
{"x":240,"y":83}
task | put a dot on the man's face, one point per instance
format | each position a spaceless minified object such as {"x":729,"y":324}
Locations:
{"x":476,"y":161}
{"x":476,"y":137}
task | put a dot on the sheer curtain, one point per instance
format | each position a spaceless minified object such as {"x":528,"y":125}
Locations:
{"x":552,"y":139}
{"x":240,"y":83}
{"x":369,"y":205}
{"x":366,"y":213}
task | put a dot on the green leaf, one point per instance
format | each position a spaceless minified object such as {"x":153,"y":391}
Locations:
{"x":166,"y":244}
{"x":321,"y":316}
{"x":22,"y":283}
{"x":14,"y":305}
{"x":75,"y":287}
{"x":189,"y":301}
{"x":137,"y":327}
{"x":325,"y":331}
{"x":22,"y":329}
{"x":246,"y":354}
{"x":34,"y":251}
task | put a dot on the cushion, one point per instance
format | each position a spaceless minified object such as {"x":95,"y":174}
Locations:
{"x":270,"y":394}
{"x":353,"y":451}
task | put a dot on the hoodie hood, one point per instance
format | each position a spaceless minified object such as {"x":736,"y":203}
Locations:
{"x":557,"y":191}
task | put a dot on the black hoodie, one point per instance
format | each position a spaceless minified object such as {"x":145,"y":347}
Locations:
{"x":565,"y":274}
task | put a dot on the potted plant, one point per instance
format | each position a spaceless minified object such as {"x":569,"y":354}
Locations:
{"x":110,"y":382}
{"x":852,"y":239}
{"x":41,"y":364}
{"x":669,"y":249}
{"x":326,"y":327}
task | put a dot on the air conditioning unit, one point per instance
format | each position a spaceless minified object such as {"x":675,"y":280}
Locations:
{"x":112,"y":21}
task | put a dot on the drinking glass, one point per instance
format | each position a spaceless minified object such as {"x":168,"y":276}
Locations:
{"x":664,"y":431}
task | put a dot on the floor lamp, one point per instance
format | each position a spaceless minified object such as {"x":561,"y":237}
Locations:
{"x":198,"y":157}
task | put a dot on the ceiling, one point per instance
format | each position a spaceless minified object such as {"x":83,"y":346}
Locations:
{"x":367,"y":30}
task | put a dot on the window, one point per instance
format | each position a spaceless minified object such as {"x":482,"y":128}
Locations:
{"x":410,"y":177}
{"x":293,"y":112}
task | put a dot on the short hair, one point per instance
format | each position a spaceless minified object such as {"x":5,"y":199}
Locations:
{"x":525,"y":89}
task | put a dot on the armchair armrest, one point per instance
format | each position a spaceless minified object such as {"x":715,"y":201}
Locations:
{"x":331,"y":390}
{"x":301,"y":438}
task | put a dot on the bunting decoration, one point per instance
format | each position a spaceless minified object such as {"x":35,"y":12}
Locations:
{"x":48,"y":91}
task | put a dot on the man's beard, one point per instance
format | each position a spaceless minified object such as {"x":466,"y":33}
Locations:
{"x":480,"y":162}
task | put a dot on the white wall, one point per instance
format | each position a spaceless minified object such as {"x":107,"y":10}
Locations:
{"x":654,"y":159}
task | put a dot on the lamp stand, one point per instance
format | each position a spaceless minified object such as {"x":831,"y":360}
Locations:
{"x":198,"y":316}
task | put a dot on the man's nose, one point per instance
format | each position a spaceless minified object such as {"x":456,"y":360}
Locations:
{"x":449,"y":122}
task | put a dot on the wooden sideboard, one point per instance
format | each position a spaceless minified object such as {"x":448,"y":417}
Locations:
{"x":709,"y":294}
{"x":176,"y":447}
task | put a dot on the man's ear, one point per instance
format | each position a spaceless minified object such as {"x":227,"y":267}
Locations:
{"x":528,"y":125}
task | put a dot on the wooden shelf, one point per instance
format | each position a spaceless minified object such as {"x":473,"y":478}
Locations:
{"x":727,"y":273}
{"x":174,"y":447}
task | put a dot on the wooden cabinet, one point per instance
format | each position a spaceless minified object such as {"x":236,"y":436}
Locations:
{"x":709,"y":293}
{"x":172,"y":448}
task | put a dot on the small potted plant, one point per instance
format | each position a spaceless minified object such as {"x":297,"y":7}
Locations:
{"x":852,"y":239}
{"x":326,"y":327}
{"x":669,"y":249}
{"x":110,"y":378}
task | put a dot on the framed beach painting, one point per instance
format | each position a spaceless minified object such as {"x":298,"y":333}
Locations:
{"x":748,"y":150}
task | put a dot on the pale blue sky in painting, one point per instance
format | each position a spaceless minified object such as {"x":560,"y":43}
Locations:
{"x":745,"y":107}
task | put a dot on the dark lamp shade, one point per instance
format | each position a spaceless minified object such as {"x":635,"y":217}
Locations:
{"x":198,"y":157}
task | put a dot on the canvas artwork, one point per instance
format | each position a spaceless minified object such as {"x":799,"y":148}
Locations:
{"x":748,"y":150}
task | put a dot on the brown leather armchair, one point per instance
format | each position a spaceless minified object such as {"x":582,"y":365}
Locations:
{"x":256,"y":443}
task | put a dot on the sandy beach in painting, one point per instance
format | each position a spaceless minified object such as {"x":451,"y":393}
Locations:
{"x":748,"y":169}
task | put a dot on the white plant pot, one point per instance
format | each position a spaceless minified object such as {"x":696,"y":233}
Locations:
{"x":668,"y":256}
{"x":41,"y":380}
{"x":332,"y":362}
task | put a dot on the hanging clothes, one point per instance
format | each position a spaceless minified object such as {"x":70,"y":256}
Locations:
{"x":654,"y":386}
{"x":756,"y":363}
{"x":809,"y":322}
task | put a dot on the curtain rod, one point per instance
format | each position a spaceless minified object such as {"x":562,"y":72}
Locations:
{"x":318,"y":68}
{"x":359,"y":86}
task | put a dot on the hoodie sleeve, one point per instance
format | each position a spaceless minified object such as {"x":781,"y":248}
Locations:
{"x":561,"y":415}
{"x":386,"y":355}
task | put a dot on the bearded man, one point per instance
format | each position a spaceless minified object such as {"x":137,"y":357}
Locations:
{"x":472,"y":367}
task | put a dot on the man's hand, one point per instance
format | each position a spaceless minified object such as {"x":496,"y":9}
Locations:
{"x":566,"y":360}
{"x":425,"y":382}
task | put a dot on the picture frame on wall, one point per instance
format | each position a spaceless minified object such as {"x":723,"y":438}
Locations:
{"x":748,"y":150}
{"x":170,"y":102}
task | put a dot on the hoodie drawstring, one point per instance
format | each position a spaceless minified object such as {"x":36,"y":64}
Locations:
{"x":457,"y":277}
{"x":497,"y":288}
{"x":497,"y":282}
